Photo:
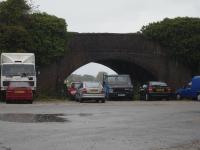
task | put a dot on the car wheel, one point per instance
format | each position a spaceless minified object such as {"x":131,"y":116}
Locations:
{"x":178,"y":96}
{"x":79,"y":98}
{"x":76,"y":97}
{"x":103,"y":100}
{"x":107,"y":97}
{"x":198,"y":97}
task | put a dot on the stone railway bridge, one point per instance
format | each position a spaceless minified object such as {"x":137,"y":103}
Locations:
{"x":130,"y":54}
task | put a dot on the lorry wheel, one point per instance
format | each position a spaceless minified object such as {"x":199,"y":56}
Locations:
{"x":198,"y":97}
{"x":178,"y":96}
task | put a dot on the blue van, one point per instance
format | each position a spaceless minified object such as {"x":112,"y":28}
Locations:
{"x":191,"y":90}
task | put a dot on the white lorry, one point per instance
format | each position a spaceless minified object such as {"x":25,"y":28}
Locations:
{"x":17,"y":67}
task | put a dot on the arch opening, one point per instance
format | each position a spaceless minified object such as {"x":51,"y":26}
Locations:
{"x":94,"y":71}
{"x":138,"y":74}
{"x":89,"y":72}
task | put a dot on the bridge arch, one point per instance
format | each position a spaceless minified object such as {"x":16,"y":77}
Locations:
{"x":143,"y":59}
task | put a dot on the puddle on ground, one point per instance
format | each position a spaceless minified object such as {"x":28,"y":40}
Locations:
{"x":33,"y":118}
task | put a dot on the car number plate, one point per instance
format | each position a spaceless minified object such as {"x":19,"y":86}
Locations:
{"x":121,"y":94}
{"x":160,"y":90}
{"x":19,"y":92}
{"x":93,"y":91}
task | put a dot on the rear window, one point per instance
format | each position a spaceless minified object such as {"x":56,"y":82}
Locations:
{"x":157,"y":84}
{"x":92,"y":84}
{"x":76,"y":85}
{"x":19,"y":84}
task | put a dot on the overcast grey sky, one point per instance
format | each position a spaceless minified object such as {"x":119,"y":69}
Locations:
{"x":121,"y":16}
{"x":93,"y":69}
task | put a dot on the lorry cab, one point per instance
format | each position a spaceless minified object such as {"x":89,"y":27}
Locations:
{"x":17,"y":67}
{"x":191,"y":90}
{"x":118,"y":86}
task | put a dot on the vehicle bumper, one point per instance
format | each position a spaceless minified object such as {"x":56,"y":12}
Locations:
{"x":19,"y":97}
{"x":93,"y":96}
{"x":113,"y":95}
{"x":160,"y":95}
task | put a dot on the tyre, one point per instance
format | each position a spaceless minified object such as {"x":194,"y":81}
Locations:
{"x":80,"y":100}
{"x":7,"y":102}
{"x":31,"y":102}
{"x":198,"y":97}
{"x":178,"y":96}
{"x":3,"y":96}
{"x":76,"y":98}
{"x":107,"y":97}
{"x":103,"y":100}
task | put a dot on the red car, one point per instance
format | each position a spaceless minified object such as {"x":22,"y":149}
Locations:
{"x":73,"y":89}
{"x":19,"y":91}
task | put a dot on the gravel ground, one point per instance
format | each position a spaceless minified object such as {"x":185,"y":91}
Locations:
{"x":156,"y":125}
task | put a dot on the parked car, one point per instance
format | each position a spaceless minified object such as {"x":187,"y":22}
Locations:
{"x":90,"y":91}
{"x":191,"y":90}
{"x":72,"y":89}
{"x":155,"y":90}
{"x":118,"y":86}
{"x":18,"y":91}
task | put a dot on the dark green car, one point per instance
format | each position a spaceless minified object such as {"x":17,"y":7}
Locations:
{"x":155,"y":90}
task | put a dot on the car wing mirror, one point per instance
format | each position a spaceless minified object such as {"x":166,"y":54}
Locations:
{"x":144,"y":86}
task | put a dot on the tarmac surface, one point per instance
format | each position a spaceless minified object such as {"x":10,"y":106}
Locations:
{"x":127,"y":125}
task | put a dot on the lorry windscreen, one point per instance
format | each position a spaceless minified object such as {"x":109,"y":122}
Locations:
{"x":118,"y":80}
{"x":18,"y":70}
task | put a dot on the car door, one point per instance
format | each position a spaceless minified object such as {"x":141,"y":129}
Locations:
{"x":187,"y":90}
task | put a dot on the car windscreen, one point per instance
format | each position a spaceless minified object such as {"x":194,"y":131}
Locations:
{"x":118,"y":80}
{"x":92,"y":84}
{"x":18,"y":70}
{"x":19,"y":84}
{"x":157,"y":83}
{"x":76,"y":85}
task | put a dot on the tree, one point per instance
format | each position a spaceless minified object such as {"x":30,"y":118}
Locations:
{"x":48,"y":36}
{"x":14,"y":39}
{"x":14,"y":11}
{"x":181,"y":36}
{"x":21,"y":30}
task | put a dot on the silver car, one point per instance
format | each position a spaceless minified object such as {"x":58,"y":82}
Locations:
{"x":90,"y":91}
